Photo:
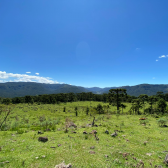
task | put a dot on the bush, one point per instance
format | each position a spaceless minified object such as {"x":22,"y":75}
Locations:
{"x":162,"y":122}
{"x":19,"y":131}
{"x":143,"y":121}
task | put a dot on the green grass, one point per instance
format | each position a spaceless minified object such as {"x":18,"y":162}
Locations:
{"x":22,"y":150}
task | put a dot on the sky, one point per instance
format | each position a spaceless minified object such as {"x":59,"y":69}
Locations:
{"x":84,"y":42}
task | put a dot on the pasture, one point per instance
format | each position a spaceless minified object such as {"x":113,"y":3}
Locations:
{"x":137,"y":144}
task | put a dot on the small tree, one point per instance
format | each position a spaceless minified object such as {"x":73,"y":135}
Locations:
{"x":137,"y":105}
{"x":87,"y":110}
{"x":143,"y":98}
{"x":162,"y":105}
{"x":151,"y":101}
{"x":99,"y":108}
{"x":123,"y":106}
{"x":76,"y":111}
{"x":115,"y":95}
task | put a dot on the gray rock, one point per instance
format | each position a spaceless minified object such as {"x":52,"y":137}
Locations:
{"x":92,"y":147}
{"x":63,"y":165}
{"x":166,"y":159}
{"x":43,"y":139}
{"x":107,"y":132}
{"x":114,"y":134}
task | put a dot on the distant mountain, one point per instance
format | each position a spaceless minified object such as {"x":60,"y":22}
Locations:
{"x":136,"y":90}
{"x":19,"y":89}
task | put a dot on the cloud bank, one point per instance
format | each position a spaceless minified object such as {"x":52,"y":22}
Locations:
{"x":11,"y":77}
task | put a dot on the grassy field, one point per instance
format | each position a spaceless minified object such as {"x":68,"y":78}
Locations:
{"x":136,"y":143}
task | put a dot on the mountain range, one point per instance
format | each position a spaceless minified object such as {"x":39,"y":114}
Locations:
{"x":20,"y":89}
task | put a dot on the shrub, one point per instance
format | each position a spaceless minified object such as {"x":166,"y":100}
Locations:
{"x":19,"y":131}
{"x":162,"y":122}
{"x":86,"y":136}
{"x":143,"y":121}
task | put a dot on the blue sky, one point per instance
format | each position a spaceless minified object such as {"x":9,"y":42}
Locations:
{"x":84,"y":43}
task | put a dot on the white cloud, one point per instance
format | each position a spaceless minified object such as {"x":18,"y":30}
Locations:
{"x":25,"y":78}
{"x":153,"y":77}
{"x":156,"y":60}
{"x":28,"y":72}
{"x":163,"y":56}
{"x":37,"y":73}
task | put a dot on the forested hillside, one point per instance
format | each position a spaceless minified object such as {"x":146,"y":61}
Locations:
{"x":20,"y":89}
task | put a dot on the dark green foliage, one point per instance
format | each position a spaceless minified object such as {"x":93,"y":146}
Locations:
{"x":64,"y":110}
{"x":137,"y":104}
{"x":162,"y":122}
{"x":6,"y":101}
{"x":76,"y":111}
{"x":123,"y":106}
{"x":100,"y":109}
{"x":87,"y":110}
{"x":115,"y":96}
{"x":151,"y":101}
{"x":162,"y":105}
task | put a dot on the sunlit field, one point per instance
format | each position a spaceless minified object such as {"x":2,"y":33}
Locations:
{"x":138,"y":143}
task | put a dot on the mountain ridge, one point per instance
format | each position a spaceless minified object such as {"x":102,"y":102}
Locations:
{"x":20,"y":89}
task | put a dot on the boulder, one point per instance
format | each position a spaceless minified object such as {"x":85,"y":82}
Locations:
{"x":166,"y":159}
{"x":43,"y":139}
{"x":63,"y":165}
{"x":84,"y":132}
{"x":107,"y":132}
{"x":114,"y":134}
{"x":94,"y":132}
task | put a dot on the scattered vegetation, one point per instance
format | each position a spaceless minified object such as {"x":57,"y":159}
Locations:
{"x":84,"y":133}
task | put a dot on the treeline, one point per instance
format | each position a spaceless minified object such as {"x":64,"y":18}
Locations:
{"x":73,"y":97}
{"x":62,"y":98}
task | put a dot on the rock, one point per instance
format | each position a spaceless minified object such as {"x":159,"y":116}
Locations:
{"x":37,"y":157}
{"x":94,"y":132}
{"x":63,"y":165}
{"x":43,"y":139}
{"x":92,"y":152}
{"x":159,"y":166}
{"x":59,"y":145}
{"x":164,"y":126}
{"x":106,"y":156}
{"x":84,"y":132}
{"x":43,"y":156}
{"x":114,"y":134}
{"x":145,"y":142}
{"x":125,"y":154}
{"x":71,"y":124}
{"x":92,"y":147}
{"x":7,"y":161}
{"x":74,"y":132}
{"x":106,"y":132}
{"x":166,"y":159}
{"x":39,"y":132}
{"x":149,"y":154}
{"x":52,"y":147}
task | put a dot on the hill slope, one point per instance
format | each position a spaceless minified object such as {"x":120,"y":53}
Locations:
{"x":18,"y":89}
